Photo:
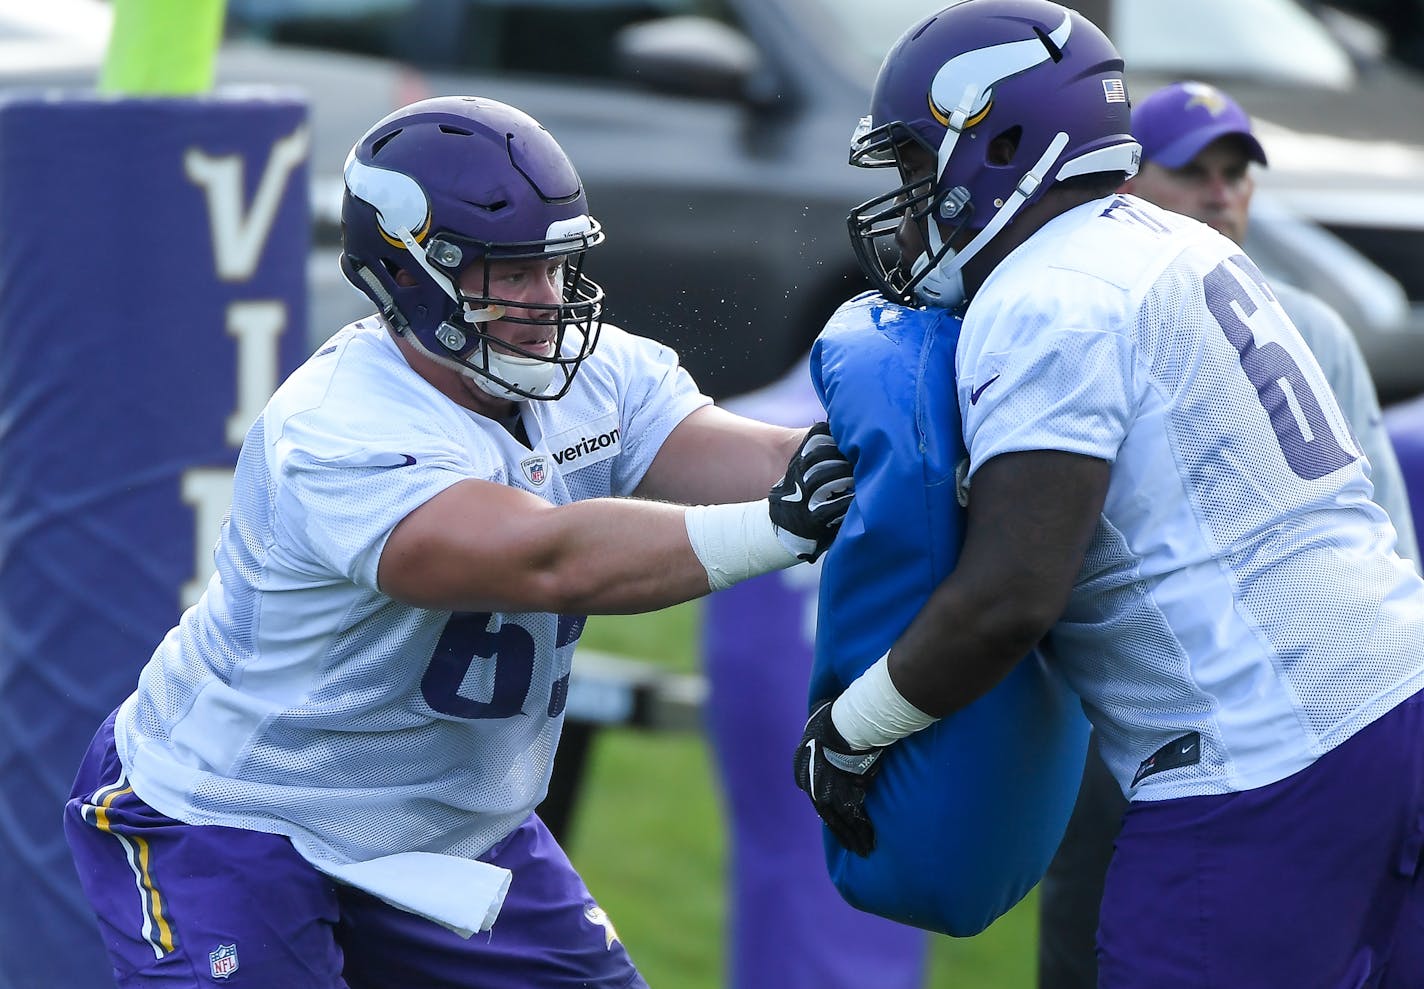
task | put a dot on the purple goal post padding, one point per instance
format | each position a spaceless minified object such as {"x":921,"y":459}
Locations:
{"x":152,"y":295}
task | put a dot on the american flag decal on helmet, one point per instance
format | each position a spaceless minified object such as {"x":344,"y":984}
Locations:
{"x":1114,"y":91}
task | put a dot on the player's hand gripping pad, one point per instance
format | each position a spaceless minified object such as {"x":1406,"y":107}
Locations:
{"x":968,"y":812}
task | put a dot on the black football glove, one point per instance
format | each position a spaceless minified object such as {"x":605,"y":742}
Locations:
{"x":810,"y":501}
{"x":836,"y":777}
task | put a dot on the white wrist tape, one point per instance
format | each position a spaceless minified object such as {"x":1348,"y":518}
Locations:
{"x":735,"y":542}
{"x":872,"y":712}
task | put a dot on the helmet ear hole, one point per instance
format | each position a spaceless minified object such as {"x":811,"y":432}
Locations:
{"x":1003,"y":147}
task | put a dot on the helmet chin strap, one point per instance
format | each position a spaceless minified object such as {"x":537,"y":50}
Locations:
{"x":529,"y":374}
{"x":503,"y":372}
{"x":944,"y":284}
{"x":939,"y":287}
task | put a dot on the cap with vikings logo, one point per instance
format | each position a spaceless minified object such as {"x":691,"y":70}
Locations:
{"x":1176,"y":122}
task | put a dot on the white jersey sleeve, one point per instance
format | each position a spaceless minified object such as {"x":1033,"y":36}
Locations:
{"x":1074,"y":390}
{"x":654,"y":393}
{"x":359,"y":427}
{"x":1240,"y":592}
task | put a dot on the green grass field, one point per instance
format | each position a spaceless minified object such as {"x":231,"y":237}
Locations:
{"x":648,"y":837}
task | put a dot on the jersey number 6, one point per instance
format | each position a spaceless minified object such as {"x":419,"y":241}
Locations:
{"x":1301,"y":427}
{"x":468,"y":639}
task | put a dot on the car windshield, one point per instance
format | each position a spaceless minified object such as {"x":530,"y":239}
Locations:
{"x":55,"y":34}
{"x":1274,"y":40}
{"x":869,"y":29}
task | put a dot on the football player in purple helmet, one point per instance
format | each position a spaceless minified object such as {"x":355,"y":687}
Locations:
{"x":1166,"y":500}
{"x":328,"y":772}
{"x":436,"y":244}
{"x":979,"y":141}
{"x":1198,"y":154}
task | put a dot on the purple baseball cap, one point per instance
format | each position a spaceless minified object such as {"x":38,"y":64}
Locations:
{"x":1176,"y":122}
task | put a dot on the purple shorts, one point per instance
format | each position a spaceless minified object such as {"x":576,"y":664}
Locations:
{"x":1314,"y":880}
{"x":180,"y":905}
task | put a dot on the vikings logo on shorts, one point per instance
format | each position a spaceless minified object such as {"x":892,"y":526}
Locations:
{"x":595,"y":915}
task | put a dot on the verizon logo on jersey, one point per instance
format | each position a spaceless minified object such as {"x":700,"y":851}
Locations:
{"x":583,"y":447}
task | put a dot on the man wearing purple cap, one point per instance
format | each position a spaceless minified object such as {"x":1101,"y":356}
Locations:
{"x":1197,"y":150}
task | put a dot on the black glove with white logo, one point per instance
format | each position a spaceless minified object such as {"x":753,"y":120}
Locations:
{"x":810,"y":501}
{"x":836,"y":778}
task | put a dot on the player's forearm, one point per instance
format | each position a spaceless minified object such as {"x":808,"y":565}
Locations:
{"x":954,"y":652}
{"x":474,"y":548}
{"x":480,"y":547}
{"x":1031,"y":516}
{"x":623,"y":556}
{"x":960,"y":646}
{"x":614,"y":556}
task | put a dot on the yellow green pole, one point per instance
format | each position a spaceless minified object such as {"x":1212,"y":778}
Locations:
{"x":162,"y":47}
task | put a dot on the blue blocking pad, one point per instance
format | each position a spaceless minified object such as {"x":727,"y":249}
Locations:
{"x":969,"y":811}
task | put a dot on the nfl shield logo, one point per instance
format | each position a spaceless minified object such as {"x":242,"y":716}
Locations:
{"x":535,"y":470}
{"x":223,"y":960}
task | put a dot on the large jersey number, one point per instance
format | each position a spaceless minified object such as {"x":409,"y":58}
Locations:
{"x":1301,"y":427}
{"x":509,"y":649}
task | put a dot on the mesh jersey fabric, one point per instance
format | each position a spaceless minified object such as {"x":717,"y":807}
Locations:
{"x":1344,"y":365}
{"x":1241,"y":583}
{"x":296,"y":698}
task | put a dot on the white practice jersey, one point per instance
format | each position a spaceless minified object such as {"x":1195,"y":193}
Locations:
{"x":295,"y":697}
{"x":1338,"y":354}
{"x":1241,"y":609}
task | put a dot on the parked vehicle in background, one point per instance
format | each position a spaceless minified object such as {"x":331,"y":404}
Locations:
{"x":713,"y":135}
{"x":712,"y":138}
{"x":1343,"y":126}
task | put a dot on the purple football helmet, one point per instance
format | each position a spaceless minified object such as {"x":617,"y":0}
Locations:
{"x":449,"y":182}
{"x":1029,"y":70}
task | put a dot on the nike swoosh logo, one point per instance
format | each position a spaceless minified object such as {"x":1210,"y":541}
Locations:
{"x":974,"y":395}
{"x":811,"y":770}
{"x":794,"y":498}
{"x":406,"y":461}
